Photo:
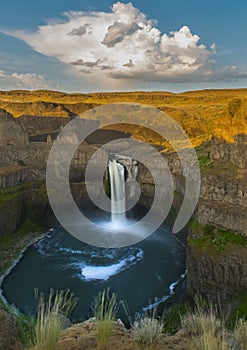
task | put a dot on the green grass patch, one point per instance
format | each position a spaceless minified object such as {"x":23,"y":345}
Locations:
{"x":196,"y":227}
{"x":12,"y":244}
{"x":211,"y":239}
{"x":209,"y":166}
{"x":25,"y":325}
{"x":172,"y":317}
{"x":204,"y":160}
{"x":10,"y":193}
{"x":239,"y":305}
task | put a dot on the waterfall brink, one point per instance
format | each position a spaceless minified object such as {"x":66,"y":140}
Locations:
{"x":117,"y":182}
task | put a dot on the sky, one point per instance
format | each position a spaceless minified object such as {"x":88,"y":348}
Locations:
{"x":101,"y":45}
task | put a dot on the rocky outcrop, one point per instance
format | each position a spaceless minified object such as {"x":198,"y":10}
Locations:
{"x":41,"y":124}
{"x":232,"y":121}
{"x":13,"y":176}
{"x":222,"y":204}
{"x":9,"y":339}
{"x":234,"y":152}
{"x":223,"y":200}
{"x":28,"y":200}
{"x":223,"y":197}
{"x":216,"y":276}
{"x":11,"y":131}
{"x":83,"y":337}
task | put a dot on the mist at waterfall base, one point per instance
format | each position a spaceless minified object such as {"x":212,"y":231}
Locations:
{"x":147,"y":275}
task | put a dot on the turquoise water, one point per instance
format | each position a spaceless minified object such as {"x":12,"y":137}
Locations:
{"x":150,"y":272}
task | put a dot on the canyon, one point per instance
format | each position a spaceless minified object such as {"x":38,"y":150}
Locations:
{"x":215,"y":121}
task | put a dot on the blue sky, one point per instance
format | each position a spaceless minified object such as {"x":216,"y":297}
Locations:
{"x":143,"y":45}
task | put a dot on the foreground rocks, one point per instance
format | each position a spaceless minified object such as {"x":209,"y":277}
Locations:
{"x":9,"y":339}
{"x":83,"y":337}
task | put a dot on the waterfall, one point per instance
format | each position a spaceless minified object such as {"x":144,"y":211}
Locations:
{"x":117,"y":182}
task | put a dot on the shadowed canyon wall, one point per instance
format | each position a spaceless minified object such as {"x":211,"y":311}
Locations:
{"x":216,"y":122}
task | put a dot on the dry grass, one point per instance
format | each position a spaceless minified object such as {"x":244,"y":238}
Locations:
{"x":210,"y":341}
{"x":200,"y":113}
{"x":198,"y":323}
{"x":104,"y":308}
{"x":147,"y":330}
{"x":240,"y":334}
{"x":51,"y":318}
{"x":205,"y":328}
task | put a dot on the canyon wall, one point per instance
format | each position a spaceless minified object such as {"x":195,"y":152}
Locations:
{"x":234,"y":152}
{"x":42,"y":124}
{"x":222,"y":205}
{"x":216,"y":276}
{"x":223,"y":198}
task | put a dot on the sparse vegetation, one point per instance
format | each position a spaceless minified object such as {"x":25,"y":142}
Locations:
{"x":104,"y":308}
{"x":172,"y":317}
{"x":240,"y":311}
{"x":25,"y":325}
{"x":204,"y":160}
{"x":205,"y":327}
{"x":147,"y":330}
{"x":51,"y":317}
{"x":11,"y":245}
{"x":212,"y":239}
{"x":209,"y":341}
{"x":199,"y":322}
{"x":240,"y":334}
{"x":21,"y":163}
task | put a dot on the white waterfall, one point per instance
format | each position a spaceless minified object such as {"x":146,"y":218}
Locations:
{"x":117,"y":182}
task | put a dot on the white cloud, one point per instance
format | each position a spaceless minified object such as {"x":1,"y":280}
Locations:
{"x":123,"y":44}
{"x":28,"y":81}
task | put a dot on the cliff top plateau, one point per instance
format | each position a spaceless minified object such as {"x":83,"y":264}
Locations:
{"x":203,"y":114}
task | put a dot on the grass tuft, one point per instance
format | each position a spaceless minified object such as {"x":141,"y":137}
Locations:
{"x":104,"y":308}
{"x":51,"y":317}
{"x":147,"y":330}
{"x":240,"y":334}
{"x":205,"y":328}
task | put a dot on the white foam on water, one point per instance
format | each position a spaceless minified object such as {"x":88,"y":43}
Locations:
{"x":158,"y":301}
{"x":155,"y":303}
{"x":92,"y":272}
{"x":101,"y":272}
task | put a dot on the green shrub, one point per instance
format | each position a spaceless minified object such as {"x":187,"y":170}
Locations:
{"x":21,"y":163}
{"x":26,"y":329}
{"x":172,"y":317}
{"x":25,"y":325}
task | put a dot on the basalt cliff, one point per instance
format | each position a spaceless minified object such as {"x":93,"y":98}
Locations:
{"x":215,"y":121}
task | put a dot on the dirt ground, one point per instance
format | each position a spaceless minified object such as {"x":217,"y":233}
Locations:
{"x":82,"y":337}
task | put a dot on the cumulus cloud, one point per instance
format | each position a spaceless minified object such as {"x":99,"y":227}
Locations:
{"x":80,"y":30}
{"x":123,"y":44}
{"x":28,"y":81}
{"x":129,"y":64}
